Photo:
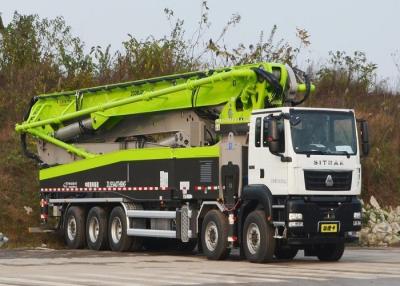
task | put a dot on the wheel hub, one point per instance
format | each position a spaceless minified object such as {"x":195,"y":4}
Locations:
{"x":253,"y":238}
{"x":116,"y":230}
{"x":71,"y":228}
{"x":211,"y":236}
{"x":94,"y":229}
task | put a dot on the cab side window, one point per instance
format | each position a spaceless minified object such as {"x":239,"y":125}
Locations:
{"x":258,"y":132}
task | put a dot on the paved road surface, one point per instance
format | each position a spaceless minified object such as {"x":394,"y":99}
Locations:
{"x":84,"y":267}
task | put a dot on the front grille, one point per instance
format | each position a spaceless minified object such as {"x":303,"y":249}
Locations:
{"x":317,"y":180}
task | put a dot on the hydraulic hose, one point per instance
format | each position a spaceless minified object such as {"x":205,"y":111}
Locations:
{"x":24,"y":146}
{"x":307,"y":82}
{"x":271,"y":79}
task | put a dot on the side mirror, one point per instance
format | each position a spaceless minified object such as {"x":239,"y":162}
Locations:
{"x":364,"y":137}
{"x":273,"y":136}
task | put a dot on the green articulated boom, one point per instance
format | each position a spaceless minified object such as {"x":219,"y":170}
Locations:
{"x":226,"y":96}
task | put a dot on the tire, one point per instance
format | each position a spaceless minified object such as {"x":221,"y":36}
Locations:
{"x":97,"y":229}
{"x":74,"y":228}
{"x":285,"y":252}
{"x":258,"y":238}
{"x":330,"y":252}
{"x":214,"y":235}
{"x":137,"y":243}
{"x":117,"y":238}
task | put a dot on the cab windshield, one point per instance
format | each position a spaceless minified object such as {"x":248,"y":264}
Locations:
{"x":323,"y":132}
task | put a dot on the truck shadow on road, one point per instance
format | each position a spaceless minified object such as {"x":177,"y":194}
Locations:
{"x":143,"y":255}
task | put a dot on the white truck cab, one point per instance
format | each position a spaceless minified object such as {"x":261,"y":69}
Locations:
{"x":307,"y":162}
{"x":318,"y":146}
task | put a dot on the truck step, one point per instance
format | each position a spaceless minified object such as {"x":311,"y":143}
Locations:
{"x":278,"y":206}
{"x":152,"y":233}
{"x":151,"y":214}
{"x":185,"y":224}
{"x":278,"y":223}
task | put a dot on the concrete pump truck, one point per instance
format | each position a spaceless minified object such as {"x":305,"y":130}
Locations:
{"x":220,"y":159}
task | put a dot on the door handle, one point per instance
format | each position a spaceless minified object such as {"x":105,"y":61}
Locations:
{"x":261,"y":173}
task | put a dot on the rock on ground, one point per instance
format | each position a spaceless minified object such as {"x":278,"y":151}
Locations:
{"x":381,"y":226}
{"x":3,"y":239}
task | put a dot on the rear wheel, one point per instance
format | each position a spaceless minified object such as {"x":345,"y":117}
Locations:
{"x":330,"y":252}
{"x":74,"y":227}
{"x":258,"y":238}
{"x":117,"y":226}
{"x":96,"y":229}
{"x":214,"y":235}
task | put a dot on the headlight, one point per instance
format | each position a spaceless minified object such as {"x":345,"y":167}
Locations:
{"x":295,"y":216}
{"x":357,"y":215}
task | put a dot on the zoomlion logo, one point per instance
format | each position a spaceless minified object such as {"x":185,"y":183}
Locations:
{"x":329,"y":181}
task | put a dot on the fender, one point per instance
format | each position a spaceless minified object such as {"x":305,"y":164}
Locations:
{"x":258,"y":195}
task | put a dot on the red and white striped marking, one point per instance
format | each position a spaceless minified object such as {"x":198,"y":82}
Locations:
{"x":206,"y":188}
{"x":104,"y":189}
{"x":142,"y":188}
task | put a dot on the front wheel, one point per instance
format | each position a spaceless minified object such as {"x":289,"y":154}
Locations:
{"x":258,"y":238}
{"x":214,"y":235}
{"x":330,"y":252}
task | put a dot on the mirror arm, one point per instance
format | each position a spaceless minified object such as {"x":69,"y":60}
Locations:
{"x":281,"y":115}
{"x":285,"y":159}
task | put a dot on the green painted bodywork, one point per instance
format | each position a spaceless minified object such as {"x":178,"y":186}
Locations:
{"x":130,"y":155}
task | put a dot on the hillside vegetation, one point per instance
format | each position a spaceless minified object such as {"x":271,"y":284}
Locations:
{"x":41,"y":56}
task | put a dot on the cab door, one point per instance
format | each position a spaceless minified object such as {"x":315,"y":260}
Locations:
{"x":266,"y":168}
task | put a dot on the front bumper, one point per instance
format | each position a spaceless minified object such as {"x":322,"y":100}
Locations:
{"x":320,"y":210}
{"x":321,"y":240}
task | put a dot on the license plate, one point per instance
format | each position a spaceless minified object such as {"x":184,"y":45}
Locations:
{"x":329,"y":227}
